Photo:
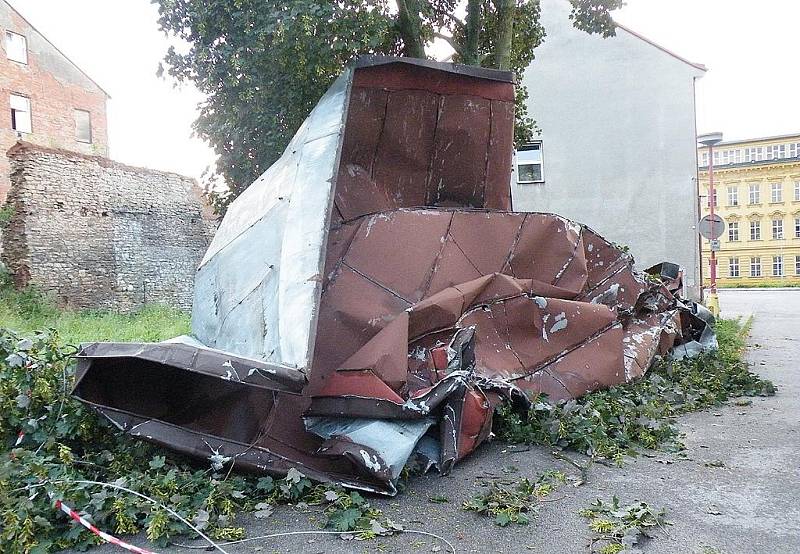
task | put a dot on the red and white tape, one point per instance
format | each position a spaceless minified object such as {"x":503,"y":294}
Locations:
{"x":103,"y":535}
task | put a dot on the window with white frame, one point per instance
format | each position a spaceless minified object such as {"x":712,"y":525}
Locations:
{"x":733,"y":267}
{"x":759,"y":153}
{"x":777,"y":229}
{"x":755,"y":193}
{"x":733,"y":196}
{"x":530,"y":163}
{"x":755,"y":230}
{"x":83,"y":126}
{"x":704,"y":158}
{"x":733,"y":231}
{"x":797,"y":191}
{"x":755,"y":267}
{"x":776,"y":190}
{"x":794,"y":150}
{"x":20,"y":113}
{"x":716,"y":157}
{"x":797,"y":227}
{"x":797,"y":265}
{"x":777,"y":266}
{"x":16,"y":47}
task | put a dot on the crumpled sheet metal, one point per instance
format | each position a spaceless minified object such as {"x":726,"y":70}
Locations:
{"x":372,"y":297}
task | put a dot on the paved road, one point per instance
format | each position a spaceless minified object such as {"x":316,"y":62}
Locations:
{"x":754,"y":497}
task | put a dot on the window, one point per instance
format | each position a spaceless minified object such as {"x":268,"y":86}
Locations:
{"x":16,"y":47}
{"x":83,"y":126}
{"x":733,"y":267}
{"x":797,"y":191}
{"x":755,"y":194}
{"x":777,"y":192}
{"x":797,"y":265}
{"x":20,"y":113}
{"x":733,"y":231}
{"x":755,"y":230}
{"x":716,"y":202}
{"x":777,"y":229}
{"x":529,"y":164}
{"x":777,"y":266}
{"x":793,"y":150}
{"x":797,"y":227}
{"x":733,"y":196}
{"x":755,"y":267}
{"x":704,"y":158}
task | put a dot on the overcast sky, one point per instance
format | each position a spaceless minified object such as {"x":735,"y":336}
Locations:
{"x":752,"y":87}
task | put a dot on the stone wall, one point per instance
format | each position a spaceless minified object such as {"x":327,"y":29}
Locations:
{"x":98,"y":234}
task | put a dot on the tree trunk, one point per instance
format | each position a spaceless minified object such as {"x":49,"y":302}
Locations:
{"x":470,"y":55}
{"x":505,"y":33}
{"x":410,"y":28}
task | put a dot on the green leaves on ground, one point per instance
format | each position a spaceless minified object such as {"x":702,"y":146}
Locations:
{"x":514,"y":502}
{"x":618,"y":421}
{"x":616,"y":528}
{"x":63,"y":442}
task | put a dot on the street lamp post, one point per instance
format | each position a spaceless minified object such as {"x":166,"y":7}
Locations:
{"x":710,"y":140}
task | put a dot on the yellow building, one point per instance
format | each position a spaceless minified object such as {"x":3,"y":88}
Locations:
{"x":757,"y":185}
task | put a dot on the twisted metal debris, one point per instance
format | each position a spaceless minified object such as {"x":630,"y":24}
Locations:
{"x":372,"y":297}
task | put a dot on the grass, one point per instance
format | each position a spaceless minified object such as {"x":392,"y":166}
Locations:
{"x":29,"y":310}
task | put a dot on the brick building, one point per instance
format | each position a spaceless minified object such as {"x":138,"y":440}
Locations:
{"x":48,"y":100}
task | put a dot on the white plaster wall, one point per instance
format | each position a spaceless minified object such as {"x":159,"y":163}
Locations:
{"x":617,"y":122}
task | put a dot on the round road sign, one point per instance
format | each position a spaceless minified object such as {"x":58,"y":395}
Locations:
{"x":711,"y":227}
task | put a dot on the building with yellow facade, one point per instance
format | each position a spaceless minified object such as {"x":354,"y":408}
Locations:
{"x":757,"y":185}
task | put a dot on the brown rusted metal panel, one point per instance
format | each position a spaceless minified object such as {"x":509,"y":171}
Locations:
{"x":427,"y":301}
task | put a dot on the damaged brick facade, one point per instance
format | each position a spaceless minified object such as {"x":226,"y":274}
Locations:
{"x":54,"y":90}
{"x":99,"y":234}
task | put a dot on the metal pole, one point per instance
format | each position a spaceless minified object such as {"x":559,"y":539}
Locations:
{"x":711,"y":204}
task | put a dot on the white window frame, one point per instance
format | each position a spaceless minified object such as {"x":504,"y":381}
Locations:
{"x":797,"y":227}
{"x":777,"y":229}
{"x":754,"y":191}
{"x":797,"y":265}
{"x":755,"y":230}
{"x":755,"y":266}
{"x":797,"y":191}
{"x":733,"y":195}
{"x":733,"y":231}
{"x":20,"y":105}
{"x":13,"y":50}
{"x":733,"y":267}
{"x":777,"y":266}
{"x":520,"y":161}
{"x":776,"y":192}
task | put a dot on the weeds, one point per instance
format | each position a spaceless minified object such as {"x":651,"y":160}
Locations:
{"x":29,"y":310}
{"x":616,"y":528}
{"x":514,"y":504}
{"x":619,"y":421}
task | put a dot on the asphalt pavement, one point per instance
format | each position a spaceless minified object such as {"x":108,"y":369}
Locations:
{"x":745,"y":501}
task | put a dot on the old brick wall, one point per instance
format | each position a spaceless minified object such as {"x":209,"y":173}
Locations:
{"x":55,"y":86}
{"x":99,"y":234}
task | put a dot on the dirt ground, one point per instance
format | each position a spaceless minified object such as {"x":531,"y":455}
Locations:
{"x":747,"y":505}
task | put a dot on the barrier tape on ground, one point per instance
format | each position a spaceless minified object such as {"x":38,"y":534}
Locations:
{"x":103,"y":535}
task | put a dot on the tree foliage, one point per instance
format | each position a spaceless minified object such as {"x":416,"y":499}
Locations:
{"x":263,"y":64}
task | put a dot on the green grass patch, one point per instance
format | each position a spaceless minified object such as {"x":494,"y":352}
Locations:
{"x":622,"y":420}
{"x":27,"y":311}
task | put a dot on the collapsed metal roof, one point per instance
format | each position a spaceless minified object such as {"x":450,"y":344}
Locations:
{"x":372,"y":296}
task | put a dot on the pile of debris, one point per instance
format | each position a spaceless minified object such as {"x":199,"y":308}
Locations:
{"x":372,"y":297}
